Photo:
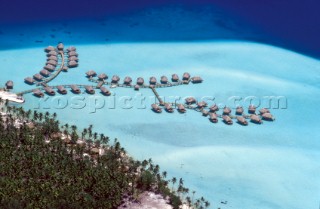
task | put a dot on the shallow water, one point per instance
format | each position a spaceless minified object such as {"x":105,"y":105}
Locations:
{"x":269,"y":166}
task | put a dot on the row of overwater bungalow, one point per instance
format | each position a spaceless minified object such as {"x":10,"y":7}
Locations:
{"x":140,"y":81}
{"x":264,"y":113}
{"x":74,"y":89}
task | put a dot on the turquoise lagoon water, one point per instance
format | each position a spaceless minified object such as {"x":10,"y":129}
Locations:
{"x":269,"y":166}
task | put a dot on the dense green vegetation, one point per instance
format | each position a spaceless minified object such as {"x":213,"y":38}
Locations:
{"x":43,"y":164}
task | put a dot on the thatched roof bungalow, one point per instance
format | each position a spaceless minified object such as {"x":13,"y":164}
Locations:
{"x":136,"y":87}
{"x":252,"y":109}
{"x":115,"y":79}
{"x":37,"y":93}
{"x":168,"y":107}
{"x":186,"y":76}
{"x":102,"y":76}
{"x":89,"y":89}
{"x":72,"y":64}
{"x":241,"y":120}
{"x":45,"y":72}
{"x":214,"y":108}
{"x":91,"y":73}
{"x":75,"y":89}
{"x":196,"y":79}
{"x":38,"y":77}
{"x":153,"y":80}
{"x":190,"y":100}
{"x":52,"y":62}
{"x":49,"y":48}
{"x":226,"y":110}
{"x":49,"y":67}
{"x":71,"y":48}
{"x":29,"y":80}
{"x":72,"y":53}
{"x":55,"y":58}
{"x":175,"y":78}
{"x":202,"y":104}
{"x":164,"y":79}
{"x":181,"y":108}
{"x":105,"y":91}
{"x":255,"y":119}
{"x":9,"y":84}
{"x":156,"y":108}
{"x":264,"y":110}
{"x":49,"y":90}
{"x":267,"y":116}
{"x":239,"y":110}
{"x":73,"y":58}
{"x":127,"y":80}
{"x":61,"y":90}
{"x":140,"y":81}
{"x":65,"y":68}
{"x":52,"y":53}
{"x":213,"y":117}
{"x":60,"y":46}
{"x":227,"y":120}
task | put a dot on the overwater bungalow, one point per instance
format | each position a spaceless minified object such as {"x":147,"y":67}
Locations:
{"x":89,"y":89}
{"x":267,"y":116}
{"x":196,"y":79}
{"x":140,"y":81}
{"x":73,"y":58}
{"x":91,"y":73}
{"x":45,"y":72}
{"x":239,"y":110}
{"x":226,"y":110}
{"x":105,"y":91}
{"x":55,"y":58}
{"x":164,"y":79}
{"x":181,"y":108}
{"x":115,"y":79}
{"x":72,"y":53}
{"x":75,"y":89}
{"x":61,"y":90}
{"x":49,"y":48}
{"x":52,"y":62}
{"x":241,"y":120}
{"x":127,"y":80}
{"x":71,"y":48}
{"x":205,"y":113}
{"x":29,"y":80}
{"x":102,"y":76}
{"x":37,"y":93}
{"x":52,"y":53}
{"x":190,"y":100}
{"x":60,"y":46}
{"x":175,"y":78}
{"x":252,"y":109}
{"x":49,"y":90}
{"x":156,"y":108}
{"x":213,"y":117}
{"x":186,"y":76}
{"x":264,"y":110}
{"x":38,"y":77}
{"x":65,"y":68}
{"x":214,"y":108}
{"x":255,"y":119}
{"x":72,"y":64}
{"x":168,"y":107}
{"x":9,"y":85}
{"x":227,"y":120}
{"x":153,"y":80}
{"x":202,"y":104}
{"x":136,"y":87}
{"x":49,"y":67}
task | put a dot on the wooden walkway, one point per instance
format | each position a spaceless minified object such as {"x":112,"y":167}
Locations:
{"x":157,"y":95}
{"x":47,"y":80}
{"x":53,"y":87}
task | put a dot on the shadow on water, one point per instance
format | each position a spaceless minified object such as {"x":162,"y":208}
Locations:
{"x":162,"y":21}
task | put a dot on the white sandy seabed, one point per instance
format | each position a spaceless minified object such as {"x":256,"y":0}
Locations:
{"x":270,"y":166}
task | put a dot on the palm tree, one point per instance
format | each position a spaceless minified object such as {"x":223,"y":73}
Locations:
{"x":174,"y":180}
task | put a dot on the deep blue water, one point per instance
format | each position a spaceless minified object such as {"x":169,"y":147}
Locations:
{"x":290,"y":24}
